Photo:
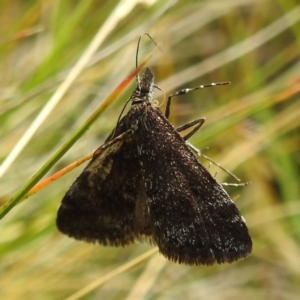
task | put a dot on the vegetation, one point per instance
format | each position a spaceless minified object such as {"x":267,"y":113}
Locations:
{"x":251,"y":128}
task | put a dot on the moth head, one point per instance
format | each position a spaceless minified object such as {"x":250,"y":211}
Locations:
{"x":145,"y":84}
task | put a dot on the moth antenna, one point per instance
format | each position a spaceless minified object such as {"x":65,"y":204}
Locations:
{"x":137,"y":52}
{"x":137,"y":76}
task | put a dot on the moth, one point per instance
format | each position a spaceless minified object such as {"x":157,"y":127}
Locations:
{"x":146,"y":184}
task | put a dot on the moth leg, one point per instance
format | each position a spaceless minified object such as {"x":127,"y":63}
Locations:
{"x":200,"y":122}
{"x":185,"y":91}
{"x":199,"y":153}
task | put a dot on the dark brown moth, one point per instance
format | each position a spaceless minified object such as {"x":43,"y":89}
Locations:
{"x":147,"y":185}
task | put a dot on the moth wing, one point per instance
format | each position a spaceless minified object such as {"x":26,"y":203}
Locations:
{"x":101,"y":205}
{"x":193,"y":219}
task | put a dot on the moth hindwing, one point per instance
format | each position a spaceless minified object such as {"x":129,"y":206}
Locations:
{"x":145,"y":183}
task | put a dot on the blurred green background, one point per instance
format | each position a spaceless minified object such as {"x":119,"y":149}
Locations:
{"x":251,"y":128}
